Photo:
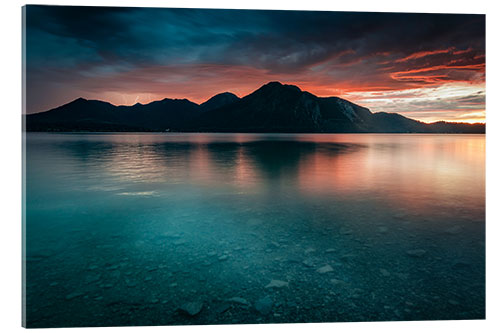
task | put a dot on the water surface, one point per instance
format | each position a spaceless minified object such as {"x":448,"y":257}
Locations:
{"x":128,"y":229}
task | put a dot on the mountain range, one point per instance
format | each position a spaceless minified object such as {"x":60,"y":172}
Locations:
{"x":274,"y":107}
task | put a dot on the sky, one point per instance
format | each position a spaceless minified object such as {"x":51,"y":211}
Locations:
{"x":428,"y":67}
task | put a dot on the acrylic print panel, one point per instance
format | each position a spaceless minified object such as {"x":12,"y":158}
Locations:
{"x":195,"y":166}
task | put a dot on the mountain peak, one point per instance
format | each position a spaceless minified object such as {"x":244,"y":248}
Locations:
{"x":225,"y":94}
{"x":278,"y":85}
{"x":274,"y":84}
{"x":219,"y":100}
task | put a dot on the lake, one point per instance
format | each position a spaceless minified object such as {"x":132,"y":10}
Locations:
{"x":174,"y":228}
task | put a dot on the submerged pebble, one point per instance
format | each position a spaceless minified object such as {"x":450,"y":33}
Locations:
{"x":277,"y":284}
{"x":416,"y":253}
{"x":74,"y":295}
{"x":385,"y":272}
{"x":325,"y":269}
{"x":308,"y":263}
{"x":191,"y":308}
{"x":239,"y":300}
{"x":264,"y":305}
{"x":337,"y":282}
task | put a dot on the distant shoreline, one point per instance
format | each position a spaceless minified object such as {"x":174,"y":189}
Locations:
{"x":172,"y":132}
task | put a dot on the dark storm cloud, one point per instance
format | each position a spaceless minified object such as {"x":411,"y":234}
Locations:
{"x":269,"y":39}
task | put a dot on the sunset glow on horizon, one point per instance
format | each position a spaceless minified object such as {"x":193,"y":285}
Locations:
{"x":428,"y":67}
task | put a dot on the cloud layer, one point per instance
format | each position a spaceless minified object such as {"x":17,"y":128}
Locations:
{"x":426,"y":66}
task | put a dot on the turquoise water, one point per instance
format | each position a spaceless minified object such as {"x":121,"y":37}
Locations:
{"x":167,"y":229}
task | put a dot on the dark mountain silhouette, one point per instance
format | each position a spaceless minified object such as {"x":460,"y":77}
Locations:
{"x":274,"y":107}
{"x":160,"y":115}
{"x":283,"y":108}
{"x":91,"y":115}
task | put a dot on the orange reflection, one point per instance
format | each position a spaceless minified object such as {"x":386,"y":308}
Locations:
{"x":401,"y":170}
